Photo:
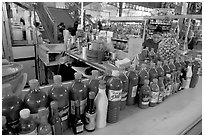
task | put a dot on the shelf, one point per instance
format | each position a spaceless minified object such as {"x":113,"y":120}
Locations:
{"x":122,"y":40}
{"x":160,"y":24}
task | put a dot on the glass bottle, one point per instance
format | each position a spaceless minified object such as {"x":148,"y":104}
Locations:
{"x":27,"y":125}
{"x":154,"y":93}
{"x":11,"y":106}
{"x":78,"y":125}
{"x":6,"y":130}
{"x":55,"y":119}
{"x":90,"y":114}
{"x":60,"y":94}
{"x":44,"y":127}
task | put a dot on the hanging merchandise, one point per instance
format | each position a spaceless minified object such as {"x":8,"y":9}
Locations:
{"x":114,"y":88}
{"x":133,"y":87}
{"x":6,"y":130}
{"x":90,"y":113}
{"x":154,"y":93}
{"x":35,"y":98}
{"x":144,"y":95}
{"x":61,"y":95}
{"x":94,"y":82}
{"x":55,"y":119}
{"x":27,"y":125}
{"x":44,"y":128}
{"x":78,"y":125}
{"x":125,"y":81}
{"x":78,"y":91}
{"x":152,"y":72}
{"x":162,"y":92}
{"x":11,"y":106}
{"x":101,"y":103}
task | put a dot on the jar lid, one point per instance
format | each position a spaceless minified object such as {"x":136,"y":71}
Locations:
{"x":57,"y":78}
{"x":25,"y":113}
{"x":92,"y":95}
{"x":3,"y":120}
{"x":33,"y":83}
{"x":115,"y":73}
{"x":54,"y":104}
{"x":102,"y":84}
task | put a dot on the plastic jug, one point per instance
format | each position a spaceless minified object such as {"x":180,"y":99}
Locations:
{"x":154,"y":93}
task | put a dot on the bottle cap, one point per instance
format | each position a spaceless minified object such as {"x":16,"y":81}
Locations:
{"x":42,"y":111}
{"x":146,"y":81}
{"x":3,"y":120}
{"x":57,"y":78}
{"x":155,"y":80}
{"x":115,"y":73}
{"x":92,"y":95}
{"x":25,"y":113}
{"x":33,"y":83}
{"x":77,"y":103}
{"x":77,"y":75}
{"x":102,"y":84}
{"x":54,"y":104}
{"x":94,"y":73}
{"x":6,"y":90}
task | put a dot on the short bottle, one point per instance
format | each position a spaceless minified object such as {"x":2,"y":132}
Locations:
{"x":101,"y":103}
{"x":90,"y":113}
{"x":132,"y":87}
{"x":44,"y":127}
{"x":78,"y":124}
{"x":6,"y":130}
{"x":162,"y":92}
{"x":60,"y":94}
{"x":27,"y":125}
{"x":144,"y":95}
{"x":55,"y":119}
{"x":154,"y":93}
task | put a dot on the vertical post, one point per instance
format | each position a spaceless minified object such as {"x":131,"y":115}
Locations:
{"x":82,"y":14}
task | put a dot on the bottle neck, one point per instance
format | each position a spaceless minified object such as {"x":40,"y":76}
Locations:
{"x":77,"y":110}
{"x":90,"y":104}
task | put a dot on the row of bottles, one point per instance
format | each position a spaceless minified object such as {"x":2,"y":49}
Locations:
{"x":90,"y":106}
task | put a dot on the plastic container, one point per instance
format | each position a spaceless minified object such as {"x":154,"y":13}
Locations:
{"x":94,"y":82}
{"x":152,"y":72}
{"x":55,"y":119}
{"x":133,"y":87}
{"x":154,"y":93}
{"x":60,"y":94}
{"x":160,"y":69}
{"x":143,"y":74}
{"x":162,"y":92}
{"x":6,"y":130}
{"x":27,"y":125}
{"x":114,"y":88}
{"x":44,"y":127}
{"x":35,"y":98}
{"x":144,"y":95}
{"x":101,"y":103}
{"x":78,"y":91}
{"x":125,"y":81}
{"x":11,"y":106}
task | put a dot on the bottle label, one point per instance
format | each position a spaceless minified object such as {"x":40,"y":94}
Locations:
{"x":82,"y":106}
{"x":124,"y":96}
{"x":124,"y":99}
{"x":80,"y":128}
{"x":90,"y":121}
{"x":160,"y":97}
{"x":115,"y":95}
{"x":134,"y":91}
{"x":145,"y":99}
{"x":64,"y":113}
{"x":34,"y":132}
{"x":154,"y":97}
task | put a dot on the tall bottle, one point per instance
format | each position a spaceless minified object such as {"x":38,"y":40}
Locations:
{"x":90,"y":113}
{"x":178,"y":74}
{"x":114,"y":86}
{"x":11,"y":106}
{"x":35,"y":98}
{"x":55,"y":119}
{"x":133,"y":86}
{"x":125,"y":81}
{"x":44,"y":127}
{"x":162,"y":93}
{"x":160,"y":69}
{"x":144,"y":95}
{"x":101,"y":103}
{"x":152,"y":72}
{"x":78,"y":91}
{"x":60,"y":94}
{"x":78,"y":124}
{"x":94,"y":82}
{"x":6,"y":130}
{"x":152,"y":54}
{"x":195,"y":73}
{"x":27,"y":125}
{"x":154,"y":93}
{"x":188,"y":75}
